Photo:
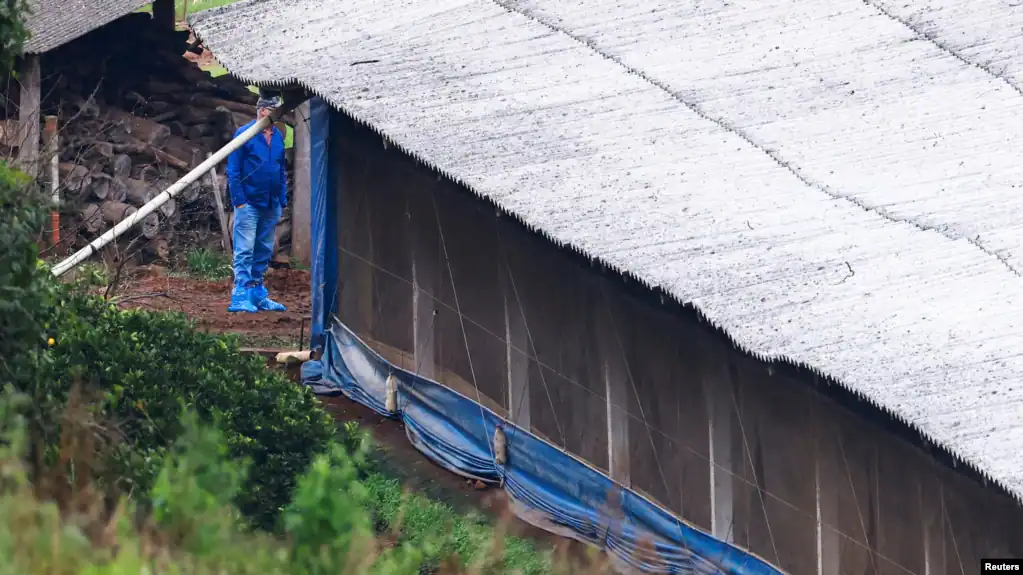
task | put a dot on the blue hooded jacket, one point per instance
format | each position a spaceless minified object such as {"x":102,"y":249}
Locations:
{"x":257,"y":172}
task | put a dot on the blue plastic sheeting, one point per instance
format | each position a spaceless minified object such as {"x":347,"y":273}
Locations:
{"x":546,"y":486}
{"x":323,"y":269}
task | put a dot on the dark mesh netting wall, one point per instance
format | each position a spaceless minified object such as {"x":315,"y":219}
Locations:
{"x":438,"y":282}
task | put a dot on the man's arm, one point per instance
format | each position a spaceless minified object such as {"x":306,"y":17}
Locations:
{"x":234,"y":176}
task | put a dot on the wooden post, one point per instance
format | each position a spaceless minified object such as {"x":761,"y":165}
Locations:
{"x":164,"y":14}
{"x":28,"y":116}
{"x":423,"y":315}
{"x":52,"y":161}
{"x":720,"y":393}
{"x":616,"y":385}
{"x":225,"y":229}
{"x":301,"y":204}
{"x":932,"y":508}
{"x":828,"y":483}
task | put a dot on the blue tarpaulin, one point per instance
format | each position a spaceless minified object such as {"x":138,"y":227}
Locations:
{"x":547,"y":487}
{"x":323,"y":268}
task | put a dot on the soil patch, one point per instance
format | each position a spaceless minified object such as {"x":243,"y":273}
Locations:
{"x":206,"y":303}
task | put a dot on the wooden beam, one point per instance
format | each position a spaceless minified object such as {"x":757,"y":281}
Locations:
{"x":423,"y":315}
{"x":828,"y":485}
{"x":616,"y":386}
{"x":28,"y":115}
{"x":301,"y":204}
{"x":932,"y":507}
{"x":50,"y":174}
{"x":225,"y":229}
{"x":719,"y":389}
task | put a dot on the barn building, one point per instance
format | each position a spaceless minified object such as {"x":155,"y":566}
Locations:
{"x":740,"y":279}
{"x":52,"y":24}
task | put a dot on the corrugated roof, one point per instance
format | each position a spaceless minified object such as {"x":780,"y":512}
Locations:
{"x":57,"y":22}
{"x":825,"y":184}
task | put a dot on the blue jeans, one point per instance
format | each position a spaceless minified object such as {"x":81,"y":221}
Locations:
{"x":253,"y":242}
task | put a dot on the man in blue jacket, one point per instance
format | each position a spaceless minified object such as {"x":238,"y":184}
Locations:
{"x":258,"y":184}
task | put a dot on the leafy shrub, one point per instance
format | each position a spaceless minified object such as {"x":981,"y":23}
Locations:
{"x":192,"y":527}
{"x":25,"y":297}
{"x":151,"y":365}
{"x":13,"y":32}
{"x":146,"y":367}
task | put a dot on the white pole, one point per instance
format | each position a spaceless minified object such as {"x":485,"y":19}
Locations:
{"x":188,"y":179}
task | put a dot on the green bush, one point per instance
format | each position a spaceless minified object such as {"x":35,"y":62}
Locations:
{"x":25,"y":291}
{"x":13,"y":32}
{"x":193,"y":527}
{"x":145,"y":368}
{"x":149,"y":366}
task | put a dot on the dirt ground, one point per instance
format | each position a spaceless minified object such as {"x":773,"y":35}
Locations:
{"x":206,"y":302}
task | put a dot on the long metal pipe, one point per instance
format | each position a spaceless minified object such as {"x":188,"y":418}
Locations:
{"x":175,"y":189}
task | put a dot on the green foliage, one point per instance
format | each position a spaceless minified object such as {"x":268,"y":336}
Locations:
{"x":25,"y":294}
{"x":208,"y":264}
{"x":327,"y":521}
{"x":440,"y":535}
{"x":151,"y":365}
{"x":193,"y":493}
{"x":193,"y":527}
{"x":145,"y":367}
{"x":13,"y":32}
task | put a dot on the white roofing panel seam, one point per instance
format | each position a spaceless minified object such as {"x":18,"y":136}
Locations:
{"x":984,"y":19}
{"x":547,"y":13}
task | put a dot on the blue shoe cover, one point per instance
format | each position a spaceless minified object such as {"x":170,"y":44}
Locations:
{"x":261,"y":300}
{"x":241,"y":301}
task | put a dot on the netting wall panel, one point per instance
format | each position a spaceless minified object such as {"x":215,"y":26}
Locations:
{"x":566,"y":388}
{"x":668,"y":425}
{"x":472,"y":344}
{"x":375,"y":261}
{"x":776,"y":517}
{"x":410,"y":242}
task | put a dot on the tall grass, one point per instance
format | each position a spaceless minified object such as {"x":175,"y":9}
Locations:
{"x":414,"y":519}
{"x":207,"y":264}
